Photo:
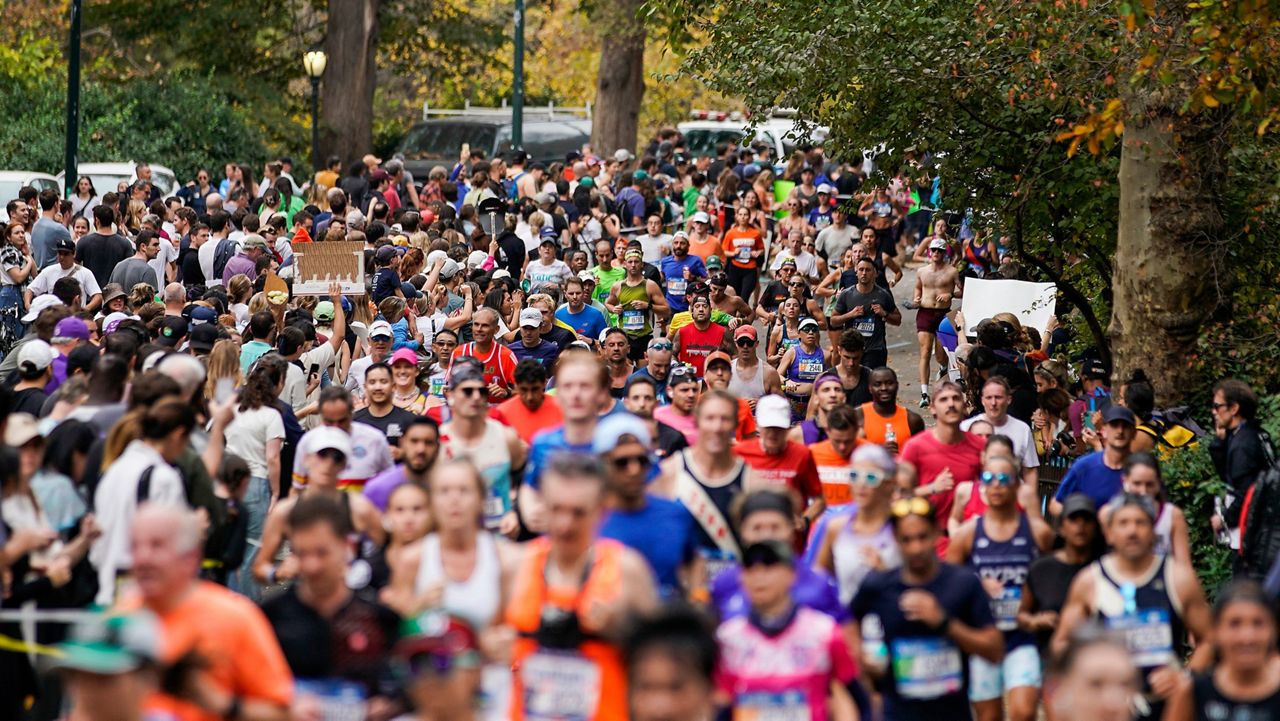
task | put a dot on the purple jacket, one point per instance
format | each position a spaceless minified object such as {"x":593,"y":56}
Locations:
{"x":239,"y":264}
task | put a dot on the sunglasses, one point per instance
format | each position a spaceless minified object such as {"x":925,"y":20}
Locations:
{"x":797,"y":285}
{"x":915,"y":506}
{"x":625,"y":462}
{"x":1003,"y":479}
{"x":332,"y":454}
{"x":440,"y":663}
{"x":873,"y":479}
{"x":472,"y":391}
{"x":745,"y":342}
{"x":660,"y":345}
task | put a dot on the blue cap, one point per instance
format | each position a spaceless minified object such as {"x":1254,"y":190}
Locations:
{"x":616,"y":425}
{"x":346,"y":305}
{"x":203,"y":314}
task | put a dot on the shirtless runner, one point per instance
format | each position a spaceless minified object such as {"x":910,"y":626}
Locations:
{"x":935,"y":287}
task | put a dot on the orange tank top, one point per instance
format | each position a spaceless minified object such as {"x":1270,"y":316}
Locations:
{"x":876,"y":426}
{"x":588,"y":682}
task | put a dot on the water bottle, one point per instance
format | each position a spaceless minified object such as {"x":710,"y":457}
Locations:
{"x":889,"y":435}
{"x":1129,"y":592}
{"x":876,"y":654}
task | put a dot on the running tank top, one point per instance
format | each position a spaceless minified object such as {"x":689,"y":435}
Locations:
{"x":636,"y":323}
{"x":475,"y":600}
{"x":493,"y":459}
{"x":848,"y":279}
{"x":749,"y":388}
{"x":787,"y":342}
{"x":812,"y":432}
{"x":1007,"y":562}
{"x":805,"y":368}
{"x":1143,"y":613}
{"x":1213,"y":705}
{"x":851,"y":566}
{"x":722,"y":496}
{"x":877,"y":427}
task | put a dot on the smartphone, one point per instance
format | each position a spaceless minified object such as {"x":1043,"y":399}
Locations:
{"x":223,"y":389}
{"x":466,"y":150}
{"x":315,"y":370}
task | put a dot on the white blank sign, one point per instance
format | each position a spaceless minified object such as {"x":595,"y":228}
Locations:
{"x":1032,"y":303}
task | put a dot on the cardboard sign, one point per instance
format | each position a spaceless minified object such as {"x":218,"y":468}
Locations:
{"x":1032,"y":303}
{"x":320,"y":264}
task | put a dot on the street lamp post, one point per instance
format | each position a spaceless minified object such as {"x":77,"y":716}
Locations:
{"x":314,"y":62}
{"x":72,"y":147}
{"x":517,"y":90}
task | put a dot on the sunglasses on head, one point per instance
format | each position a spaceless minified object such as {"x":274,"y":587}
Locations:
{"x":1003,"y":479}
{"x":660,"y":345}
{"x":873,"y":479}
{"x":915,"y":506}
{"x":625,"y":462}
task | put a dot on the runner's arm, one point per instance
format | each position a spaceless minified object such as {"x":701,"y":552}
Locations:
{"x":1196,"y":615}
{"x":1181,"y":538}
{"x":954,"y":521}
{"x":961,"y":542}
{"x":658,"y":301}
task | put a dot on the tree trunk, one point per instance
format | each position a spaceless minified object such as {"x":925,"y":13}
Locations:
{"x":346,"y":94}
{"x":1169,"y":244}
{"x":620,"y":80}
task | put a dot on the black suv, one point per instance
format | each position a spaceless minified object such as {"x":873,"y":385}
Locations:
{"x":437,"y":141}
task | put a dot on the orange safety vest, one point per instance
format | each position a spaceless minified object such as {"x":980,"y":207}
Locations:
{"x":591,"y":675}
{"x":875,"y":425}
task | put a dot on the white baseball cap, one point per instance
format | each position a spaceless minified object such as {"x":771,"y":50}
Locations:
{"x":380,"y":327}
{"x":773,"y":411}
{"x":477,"y":258}
{"x":35,"y":355}
{"x":826,"y":188}
{"x":530,"y":318}
{"x":701,"y":217}
{"x":40,"y":304}
{"x":329,"y":438}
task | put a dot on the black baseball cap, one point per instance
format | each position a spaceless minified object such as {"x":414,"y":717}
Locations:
{"x":1120,"y":414}
{"x":1078,"y":503}
{"x":64,"y":245}
{"x":203,"y":337}
{"x":172,"y":330}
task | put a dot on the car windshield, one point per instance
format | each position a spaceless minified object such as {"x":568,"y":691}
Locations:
{"x":442,"y":141}
{"x":109,"y":183}
{"x":702,"y":141}
{"x":9,"y":190}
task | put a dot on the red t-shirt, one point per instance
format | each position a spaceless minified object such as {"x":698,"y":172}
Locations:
{"x":513,"y":412}
{"x":499,"y":365}
{"x":793,"y":468}
{"x":929,"y":456}
{"x":696,"y":345}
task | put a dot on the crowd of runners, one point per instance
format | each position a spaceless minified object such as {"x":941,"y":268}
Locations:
{"x":601,"y":439}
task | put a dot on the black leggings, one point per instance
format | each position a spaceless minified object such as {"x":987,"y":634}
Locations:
{"x":743,"y":280}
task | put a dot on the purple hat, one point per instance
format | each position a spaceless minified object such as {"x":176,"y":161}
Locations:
{"x":71,"y":328}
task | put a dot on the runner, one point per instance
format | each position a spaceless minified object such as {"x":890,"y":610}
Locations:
{"x":634,"y":300}
{"x":780,"y":462}
{"x":936,"y":285}
{"x":943,"y":456}
{"x":856,"y":543}
{"x":855,"y":375}
{"x":801,"y":366}
{"x":671,"y":660}
{"x":681,"y":414}
{"x":497,"y":361}
{"x":1151,"y":601}
{"x":833,"y":456}
{"x":1141,"y":477}
{"x":1093,"y":679}
{"x":828,"y":394}
{"x":923,"y":621}
{"x":719,"y":376}
{"x":865,"y":309}
{"x":883,"y":420}
{"x":680,"y":269}
{"x":743,"y":246}
{"x":751,"y":378}
{"x":999,"y":546}
{"x":1050,"y":576}
{"x":573,"y":592}
{"x":696,"y":340}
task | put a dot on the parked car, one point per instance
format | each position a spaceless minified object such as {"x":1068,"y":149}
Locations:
{"x":107,"y":176}
{"x":549,"y":134}
{"x":11,"y":181}
{"x":708,"y":128}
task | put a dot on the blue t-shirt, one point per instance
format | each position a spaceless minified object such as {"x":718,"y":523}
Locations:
{"x":676,"y":286}
{"x":662,"y":532}
{"x":663,"y":398}
{"x":1090,"y":476}
{"x":930,"y":673}
{"x":819,"y":219}
{"x":589,"y":322}
{"x":811,"y":589}
{"x":385,"y":283}
{"x":544,"y":445}
{"x":545,"y":352}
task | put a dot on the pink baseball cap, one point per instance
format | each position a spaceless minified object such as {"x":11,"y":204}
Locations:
{"x":404,"y":355}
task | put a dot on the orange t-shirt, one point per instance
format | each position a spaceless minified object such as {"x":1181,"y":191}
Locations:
{"x":833,"y":473}
{"x":233,"y":637}
{"x":738,"y":245}
{"x":706,"y":248}
{"x":515,"y":413}
{"x":746,"y":420}
{"x":874,"y":425}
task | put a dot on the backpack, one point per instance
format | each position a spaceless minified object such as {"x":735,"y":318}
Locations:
{"x":1172,"y":428}
{"x":225,"y":251}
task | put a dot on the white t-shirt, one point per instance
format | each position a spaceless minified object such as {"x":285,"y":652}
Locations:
{"x":654,"y":246}
{"x":206,"y":254}
{"x":295,"y":382}
{"x":355,"y":374}
{"x":541,"y":276}
{"x":54,"y":273}
{"x":1024,"y":443}
{"x":806,"y":262}
{"x":248,"y":433}
{"x":168,"y":254}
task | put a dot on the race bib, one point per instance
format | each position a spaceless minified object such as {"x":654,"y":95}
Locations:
{"x":744,"y":251}
{"x":633,"y":320}
{"x":494,"y":509}
{"x":1148,"y":635}
{"x":865,"y":326}
{"x":811,"y":368}
{"x":560,"y":687}
{"x":339,"y":700}
{"x":926,"y":668}
{"x":435,"y":385}
{"x":763,"y":706}
{"x":1005,"y":608}
{"x":676,"y":286}
{"x":717,"y":562}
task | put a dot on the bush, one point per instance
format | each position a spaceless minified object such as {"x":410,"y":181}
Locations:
{"x":176,"y":121}
{"x":1193,"y":484}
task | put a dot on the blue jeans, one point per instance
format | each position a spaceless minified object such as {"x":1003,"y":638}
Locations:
{"x":257,"y":498}
{"x":11,"y":311}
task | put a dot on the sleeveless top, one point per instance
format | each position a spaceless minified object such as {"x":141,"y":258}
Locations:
{"x":635,"y":323}
{"x":750,"y":388}
{"x":475,"y":600}
{"x":787,"y":342}
{"x":1144,"y":613}
{"x":848,"y":279}
{"x":722,"y":496}
{"x":846,"y":556}
{"x":812,"y":432}
{"x":1164,"y":531}
{"x":584,"y":681}
{"x":806,"y":366}
{"x":1007,"y":562}
{"x":876,"y":427}
{"x":492,"y":457}
{"x":1210,"y":704}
